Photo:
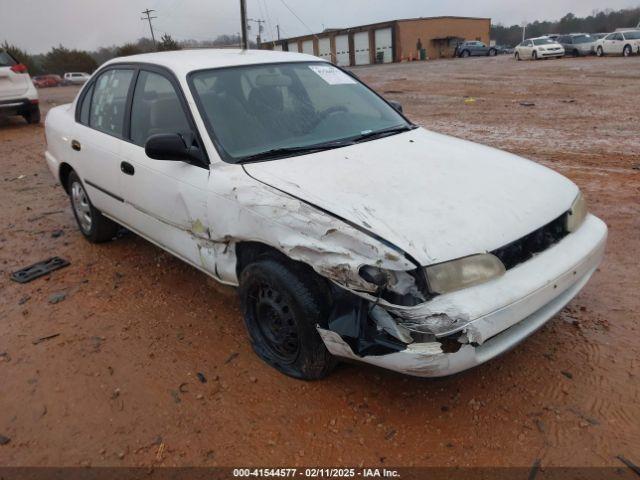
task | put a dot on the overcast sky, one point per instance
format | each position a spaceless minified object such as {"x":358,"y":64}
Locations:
{"x":36,"y":25}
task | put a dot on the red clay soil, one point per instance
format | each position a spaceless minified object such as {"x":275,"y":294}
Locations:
{"x":136,"y":325}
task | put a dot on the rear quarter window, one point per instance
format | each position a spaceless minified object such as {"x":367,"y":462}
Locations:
{"x":6,"y":60}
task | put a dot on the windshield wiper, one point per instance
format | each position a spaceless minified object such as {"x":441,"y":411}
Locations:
{"x":385,"y":132}
{"x":292,"y":151}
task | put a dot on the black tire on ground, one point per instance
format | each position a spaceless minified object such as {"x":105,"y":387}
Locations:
{"x":517,"y":55}
{"x":100,"y":229}
{"x":33,"y":116}
{"x":600,"y":52}
{"x":576,"y":52}
{"x":282,"y":303}
{"x":534,"y":55}
{"x":465,"y":54}
{"x":627,"y":51}
{"x":493,"y":52}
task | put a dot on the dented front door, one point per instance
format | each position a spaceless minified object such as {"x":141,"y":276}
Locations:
{"x":165,"y":201}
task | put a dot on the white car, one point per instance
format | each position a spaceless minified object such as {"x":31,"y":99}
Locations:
{"x":350,"y":231}
{"x":18,"y":95}
{"x":624,"y":43}
{"x":538,"y":48}
{"x":75,"y":78}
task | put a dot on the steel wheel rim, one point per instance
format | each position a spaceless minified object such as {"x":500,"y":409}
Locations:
{"x":275,"y":322}
{"x":81,"y":206}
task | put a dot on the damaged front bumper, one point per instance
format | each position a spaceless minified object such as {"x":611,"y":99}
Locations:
{"x":500,"y":313}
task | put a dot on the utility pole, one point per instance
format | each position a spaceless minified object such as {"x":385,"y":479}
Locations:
{"x":243,"y":25}
{"x":278,"y":29}
{"x":260,"y":28}
{"x":148,"y":12}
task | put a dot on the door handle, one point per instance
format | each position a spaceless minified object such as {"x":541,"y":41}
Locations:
{"x":75,"y":144}
{"x":127,"y":168}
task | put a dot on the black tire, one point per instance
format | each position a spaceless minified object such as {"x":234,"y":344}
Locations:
{"x":100,"y":229}
{"x":576,"y":53}
{"x":627,"y":51}
{"x":534,"y":55}
{"x":282,"y":305}
{"x":465,"y":54}
{"x":33,"y":116}
{"x":517,"y":56}
{"x":492,"y":52}
{"x":600,"y":52}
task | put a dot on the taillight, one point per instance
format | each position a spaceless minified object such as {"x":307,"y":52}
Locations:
{"x":19,"y":68}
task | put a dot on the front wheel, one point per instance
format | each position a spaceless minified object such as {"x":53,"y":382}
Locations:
{"x":534,"y":55}
{"x":465,"y":54}
{"x":599,"y":52}
{"x":92,"y":224}
{"x":493,"y":52}
{"x":517,"y":55}
{"x":626,"y":52}
{"x":282,"y":305}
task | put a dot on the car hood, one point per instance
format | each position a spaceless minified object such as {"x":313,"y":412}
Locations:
{"x":434,"y":196}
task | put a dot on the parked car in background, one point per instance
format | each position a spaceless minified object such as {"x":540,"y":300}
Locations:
{"x":598,"y":36}
{"x":625,"y":43}
{"x":75,"y":78}
{"x":270,"y":170}
{"x":18,"y":95}
{"x":552,"y":36}
{"x":504,"y":49}
{"x":475,"y":49}
{"x":578,"y":44}
{"x":44,"y":81}
{"x":538,"y":48}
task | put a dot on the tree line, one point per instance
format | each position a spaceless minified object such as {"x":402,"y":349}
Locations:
{"x":598,"y":22}
{"x":60,"y":59}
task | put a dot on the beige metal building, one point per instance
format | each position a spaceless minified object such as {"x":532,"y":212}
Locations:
{"x":387,"y":42}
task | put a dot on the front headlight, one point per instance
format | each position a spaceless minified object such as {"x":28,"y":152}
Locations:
{"x":577,"y":214}
{"x":464,"y":272}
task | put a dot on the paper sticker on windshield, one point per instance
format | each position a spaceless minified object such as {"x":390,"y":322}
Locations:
{"x":332,"y":75}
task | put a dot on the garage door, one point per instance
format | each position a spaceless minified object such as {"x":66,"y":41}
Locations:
{"x":292,"y":46}
{"x":277,"y":48}
{"x":361,"y":47}
{"x":324,"y":48}
{"x":307,"y":47}
{"x":342,"y":50}
{"x":384,"y":44}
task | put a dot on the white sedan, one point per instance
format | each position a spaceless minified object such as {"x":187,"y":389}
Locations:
{"x":538,"y":48}
{"x":350,"y":231}
{"x":624,"y":43}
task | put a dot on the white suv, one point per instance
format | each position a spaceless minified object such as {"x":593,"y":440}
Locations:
{"x":75,"y":78}
{"x":18,"y":95}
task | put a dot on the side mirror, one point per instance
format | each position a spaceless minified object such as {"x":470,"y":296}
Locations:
{"x":171,"y":146}
{"x":396,"y":105}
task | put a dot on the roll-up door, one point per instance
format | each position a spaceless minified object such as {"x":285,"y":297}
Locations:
{"x":361,"y":47}
{"x":324,"y":48}
{"x":384,"y":44}
{"x":342,"y":50}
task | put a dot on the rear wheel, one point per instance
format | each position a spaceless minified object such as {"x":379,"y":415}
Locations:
{"x":282,"y":305}
{"x":32,"y":116}
{"x":94,"y":226}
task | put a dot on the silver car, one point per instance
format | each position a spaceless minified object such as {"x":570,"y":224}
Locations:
{"x":578,"y":44}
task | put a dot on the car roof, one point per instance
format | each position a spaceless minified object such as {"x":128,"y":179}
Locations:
{"x":182,"y":62}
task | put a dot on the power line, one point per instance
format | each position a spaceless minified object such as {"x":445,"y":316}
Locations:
{"x":299,"y":19}
{"x":148,"y":12}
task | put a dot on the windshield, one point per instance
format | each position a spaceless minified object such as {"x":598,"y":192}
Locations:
{"x":583,"y":39}
{"x":543,"y":41}
{"x":261,"y":109}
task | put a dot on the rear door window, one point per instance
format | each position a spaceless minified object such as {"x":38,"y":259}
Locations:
{"x":108,"y":104}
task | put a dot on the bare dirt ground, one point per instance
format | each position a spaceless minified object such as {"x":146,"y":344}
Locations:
{"x":119,"y":386}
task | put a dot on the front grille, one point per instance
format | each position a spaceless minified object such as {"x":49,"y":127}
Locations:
{"x":538,"y":241}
